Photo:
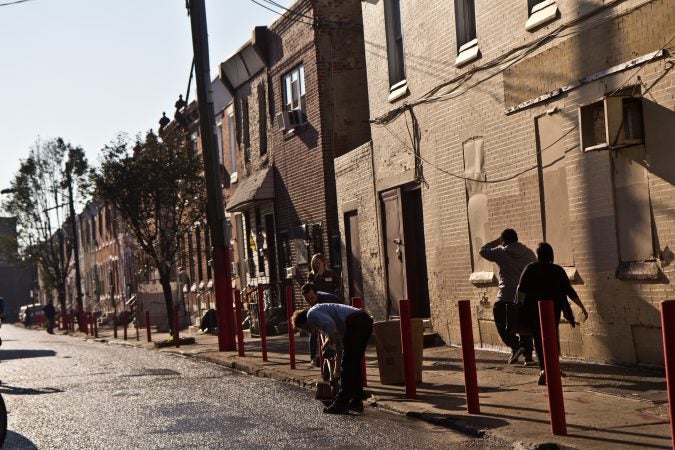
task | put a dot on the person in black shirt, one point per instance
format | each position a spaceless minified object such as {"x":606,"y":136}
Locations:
{"x":50,"y":315}
{"x":542,"y":280}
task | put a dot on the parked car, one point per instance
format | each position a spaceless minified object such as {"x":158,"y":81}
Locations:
{"x":31,"y":314}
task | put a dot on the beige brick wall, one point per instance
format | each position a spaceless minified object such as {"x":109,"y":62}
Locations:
{"x":624,"y":315}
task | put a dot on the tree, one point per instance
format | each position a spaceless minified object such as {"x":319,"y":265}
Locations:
{"x":158,"y":190}
{"x":38,"y":198}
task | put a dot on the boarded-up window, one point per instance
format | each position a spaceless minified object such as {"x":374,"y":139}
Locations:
{"x":553,"y":179}
{"x":477,"y":201}
{"x":631,"y":193}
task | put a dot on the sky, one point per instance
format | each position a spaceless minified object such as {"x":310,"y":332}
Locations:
{"x":86,"y":70}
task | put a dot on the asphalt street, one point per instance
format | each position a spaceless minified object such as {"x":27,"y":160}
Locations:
{"x":66,"y":393}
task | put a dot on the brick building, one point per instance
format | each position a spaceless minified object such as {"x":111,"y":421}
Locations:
{"x":108,"y":261}
{"x":550,"y":117}
{"x":300,"y":99}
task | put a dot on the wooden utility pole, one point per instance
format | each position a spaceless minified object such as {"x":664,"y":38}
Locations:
{"x":222,"y":272}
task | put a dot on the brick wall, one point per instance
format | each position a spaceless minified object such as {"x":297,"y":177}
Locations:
{"x":471,"y":101}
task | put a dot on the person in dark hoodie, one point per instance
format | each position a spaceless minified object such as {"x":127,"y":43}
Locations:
{"x":511,"y":257}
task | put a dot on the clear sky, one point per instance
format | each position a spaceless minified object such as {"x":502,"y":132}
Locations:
{"x":86,"y":70}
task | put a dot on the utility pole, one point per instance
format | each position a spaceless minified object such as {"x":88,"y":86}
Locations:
{"x":76,"y":246}
{"x":222,"y":273}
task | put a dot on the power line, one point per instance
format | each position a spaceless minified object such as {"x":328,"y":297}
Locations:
{"x":14,"y":2}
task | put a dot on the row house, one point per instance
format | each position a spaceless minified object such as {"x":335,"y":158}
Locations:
{"x":299,"y":99}
{"x":108,"y":261}
{"x":552,"y":117}
{"x":194,"y":280}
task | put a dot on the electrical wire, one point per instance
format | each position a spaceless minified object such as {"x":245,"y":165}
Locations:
{"x":14,"y":2}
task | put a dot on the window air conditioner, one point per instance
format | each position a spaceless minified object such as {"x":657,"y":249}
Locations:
{"x":612,"y":122}
{"x":283,"y":121}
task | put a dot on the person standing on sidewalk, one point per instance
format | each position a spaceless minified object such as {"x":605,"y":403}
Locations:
{"x":50,"y":314}
{"x":543,"y":280}
{"x":511,"y":257}
{"x":354,"y":326}
{"x":313,"y":296}
{"x":323,"y":278}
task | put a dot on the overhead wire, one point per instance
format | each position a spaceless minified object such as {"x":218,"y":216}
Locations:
{"x":14,"y":2}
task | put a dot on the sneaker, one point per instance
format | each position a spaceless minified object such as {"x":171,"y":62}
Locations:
{"x":542,"y":379}
{"x":337,"y":407}
{"x":516,"y":354}
{"x":528,"y":361}
{"x":314,"y":362}
{"x":356,"y":405}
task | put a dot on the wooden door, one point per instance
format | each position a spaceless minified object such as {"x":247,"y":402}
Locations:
{"x":394,"y":249}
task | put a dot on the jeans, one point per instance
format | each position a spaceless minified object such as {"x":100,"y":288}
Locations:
{"x":359,"y":328}
{"x":512,"y":340}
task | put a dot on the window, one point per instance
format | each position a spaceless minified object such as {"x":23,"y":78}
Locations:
{"x":219,"y":141}
{"x":246,"y":130}
{"x":294,"y":109}
{"x":540,"y":12}
{"x":193,"y":142}
{"x":465,"y":27}
{"x":531,"y":4}
{"x":392,"y":19}
{"x":262,"y":119}
{"x":465,"y":22}
{"x":233,"y":147}
{"x":294,"y":89}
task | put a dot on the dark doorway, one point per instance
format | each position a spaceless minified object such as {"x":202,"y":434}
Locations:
{"x":271,"y":251}
{"x":405,"y":250}
{"x":353,"y":244}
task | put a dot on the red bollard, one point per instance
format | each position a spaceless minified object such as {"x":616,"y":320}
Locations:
{"x":549,"y":338}
{"x":468,"y":357}
{"x":147,"y":325}
{"x":407,"y":347}
{"x":238,"y":319}
{"x":95,"y":325}
{"x":125,"y":317}
{"x":262,"y":323}
{"x":176,"y":324}
{"x":357,"y":302}
{"x":115,"y":326}
{"x":84,"y":326}
{"x":668,"y":330}
{"x":291,"y":331}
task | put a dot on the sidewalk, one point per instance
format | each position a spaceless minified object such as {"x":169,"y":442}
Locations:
{"x":606,"y":406}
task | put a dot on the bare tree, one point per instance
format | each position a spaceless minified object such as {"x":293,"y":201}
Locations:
{"x":39,"y":199}
{"x":158,"y":190}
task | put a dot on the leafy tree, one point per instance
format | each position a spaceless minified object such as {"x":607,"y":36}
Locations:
{"x":38,"y":199}
{"x":158,"y":190}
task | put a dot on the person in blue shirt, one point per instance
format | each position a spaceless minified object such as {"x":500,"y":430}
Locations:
{"x":313,"y":296}
{"x":354,"y":326}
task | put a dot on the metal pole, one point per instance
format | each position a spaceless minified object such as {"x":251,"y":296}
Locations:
{"x":215,"y":206}
{"x":668,"y":329}
{"x":238,"y":318}
{"x":468,"y":357}
{"x":549,"y":339}
{"x":357,"y":302}
{"x":262,"y":323}
{"x":291,"y":332}
{"x":407,"y":347}
{"x":147,"y":325}
{"x":76,"y":246}
{"x":125,"y":317}
{"x":176,"y":326}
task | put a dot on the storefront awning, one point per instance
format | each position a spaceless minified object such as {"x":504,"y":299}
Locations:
{"x":254,"y":189}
